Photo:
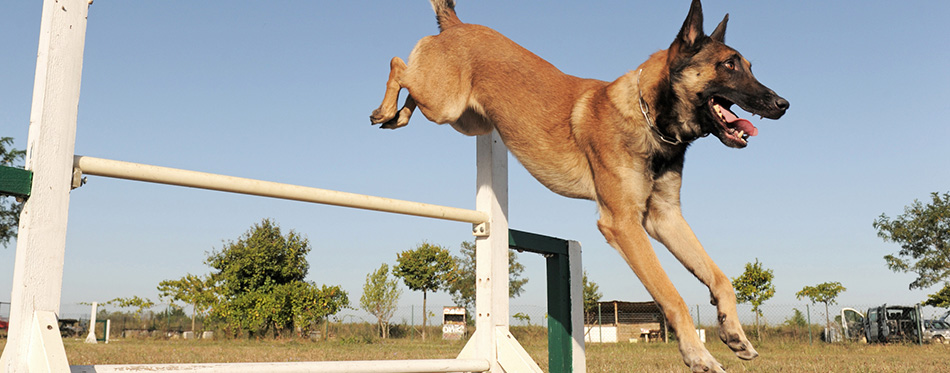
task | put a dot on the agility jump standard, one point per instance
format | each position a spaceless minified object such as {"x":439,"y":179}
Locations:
{"x":34,"y":343}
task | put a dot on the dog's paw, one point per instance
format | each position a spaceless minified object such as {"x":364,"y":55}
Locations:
{"x":400,"y":120}
{"x":379,"y":116}
{"x":715,"y":367}
{"x":702,"y":362}
{"x":732,"y":335}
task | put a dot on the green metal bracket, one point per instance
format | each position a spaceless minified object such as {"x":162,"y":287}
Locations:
{"x":555,"y":250}
{"x":15,"y":182}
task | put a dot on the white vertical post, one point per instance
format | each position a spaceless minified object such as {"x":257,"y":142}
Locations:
{"x":578,"y":356}
{"x":108,"y":328}
{"x":491,"y":252}
{"x":41,"y":240}
{"x":91,"y":337}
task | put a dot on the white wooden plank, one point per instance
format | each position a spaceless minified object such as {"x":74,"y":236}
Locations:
{"x":41,"y":240}
{"x":368,"y":366}
{"x":511,"y":356}
{"x":491,"y":252}
{"x":575,"y":263}
{"x":224,"y":183}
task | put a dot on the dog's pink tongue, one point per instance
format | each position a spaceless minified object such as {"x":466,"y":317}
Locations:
{"x":739,"y":123}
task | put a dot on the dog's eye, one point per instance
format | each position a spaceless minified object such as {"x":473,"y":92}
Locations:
{"x":729,"y":64}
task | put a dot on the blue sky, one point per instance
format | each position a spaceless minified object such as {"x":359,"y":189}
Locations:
{"x":281,"y":91}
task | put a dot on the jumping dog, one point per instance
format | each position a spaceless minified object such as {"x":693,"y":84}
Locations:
{"x":620,"y":144}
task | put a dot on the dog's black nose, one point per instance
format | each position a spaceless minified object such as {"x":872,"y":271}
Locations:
{"x":781,"y":104}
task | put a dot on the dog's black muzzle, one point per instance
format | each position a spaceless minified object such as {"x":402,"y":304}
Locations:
{"x":775,"y":106}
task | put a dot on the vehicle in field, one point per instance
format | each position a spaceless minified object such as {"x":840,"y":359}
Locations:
{"x":936,"y":331}
{"x":852,"y":325}
{"x":887,"y":324}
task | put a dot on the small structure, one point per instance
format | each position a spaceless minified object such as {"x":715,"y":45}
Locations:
{"x":617,"y":321}
{"x":453,"y":323}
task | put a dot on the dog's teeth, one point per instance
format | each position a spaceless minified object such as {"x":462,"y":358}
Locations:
{"x":740,"y":133}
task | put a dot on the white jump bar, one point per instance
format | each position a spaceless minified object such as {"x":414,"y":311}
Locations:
{"x":367,"y":366}
{"x":203,"y":180}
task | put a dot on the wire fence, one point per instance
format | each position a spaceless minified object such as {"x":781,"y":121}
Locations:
{"x":798,"y":321}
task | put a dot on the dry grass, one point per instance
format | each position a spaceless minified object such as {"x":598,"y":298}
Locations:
{"x":776,"y":356}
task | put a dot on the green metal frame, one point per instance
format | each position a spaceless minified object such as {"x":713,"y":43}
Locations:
{"x":104,"y":331}
{"x":15,"y":181}
{"x":555,"y":250}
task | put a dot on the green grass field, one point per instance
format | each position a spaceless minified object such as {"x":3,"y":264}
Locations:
{"x":624,"y":357}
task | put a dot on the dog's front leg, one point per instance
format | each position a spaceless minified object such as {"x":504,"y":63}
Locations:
{"x":621,"y":221}
{"x":625,"y":234}
{"x":665,"y":222}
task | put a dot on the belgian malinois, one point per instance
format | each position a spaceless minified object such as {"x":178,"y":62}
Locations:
{"x":620,"y":143}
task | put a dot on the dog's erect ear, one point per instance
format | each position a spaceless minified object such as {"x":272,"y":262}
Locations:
{"x":719,"y":34}
{"x":692,"y":30}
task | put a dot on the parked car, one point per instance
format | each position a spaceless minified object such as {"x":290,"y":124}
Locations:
{"x":887,"y":324}
{"x":936,"y":331}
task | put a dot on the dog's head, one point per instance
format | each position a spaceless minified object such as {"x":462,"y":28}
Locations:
{"x":708,"y":77}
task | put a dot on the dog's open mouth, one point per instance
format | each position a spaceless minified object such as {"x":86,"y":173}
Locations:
{"x":733,"y":129}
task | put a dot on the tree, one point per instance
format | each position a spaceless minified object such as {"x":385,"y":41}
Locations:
{"x":923,"y":231}
{"x":9,"y":207}
{"x":939,"y":299}
{"x":311,"y":304}
{"x":380,"y":297}
{"x":261,"y":258}
{"x":426,"y":268}
{"x":825,"y":292}
{"x":797,"y":320}
{"x":462,"y":285}
{"x":140,"y":305}
{"x":191,"y":289}
{"x":592,"y":294}
{"x":259,"y":281}
{"x":755,"y":287}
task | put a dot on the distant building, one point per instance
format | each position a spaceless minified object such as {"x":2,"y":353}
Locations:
{"x":453,"y":323}
{"x":616,"y":321}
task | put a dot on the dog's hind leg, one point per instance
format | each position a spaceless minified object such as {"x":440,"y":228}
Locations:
{"x":664,"y":222}
{"x":402,"y":117}
{"x":386,"y":112}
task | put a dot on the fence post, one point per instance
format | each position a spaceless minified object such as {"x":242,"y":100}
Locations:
{"x":600,"y":324}
{"x":808,"y":311}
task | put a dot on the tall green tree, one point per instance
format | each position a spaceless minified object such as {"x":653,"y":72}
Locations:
{"x":426,"y":268}
{"x":592,"y":296}
{"x":260,"y":284}
{"x":462,"y":285}
{"x":191,"y":289}
{"x":262,"y":257}
{"x":825,"y":292}
{"x":755,"y":287}
{"x":9,"y":207}
{"x":923,"y":232}
{"x":380,"y":297}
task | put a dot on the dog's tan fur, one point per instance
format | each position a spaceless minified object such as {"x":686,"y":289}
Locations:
{"x":584,"y":138}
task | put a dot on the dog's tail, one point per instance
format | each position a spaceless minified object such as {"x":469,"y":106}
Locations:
{"x":445,"y":14}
